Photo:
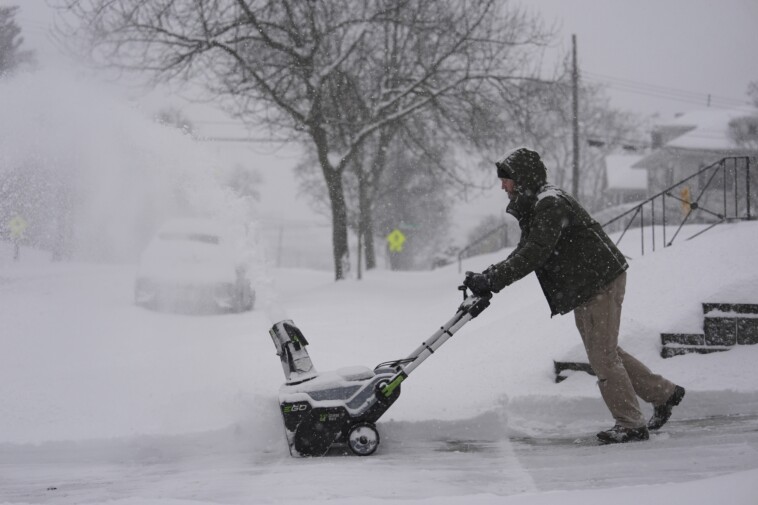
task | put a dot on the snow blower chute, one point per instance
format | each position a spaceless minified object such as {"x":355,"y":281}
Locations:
{"x":327,"y":410}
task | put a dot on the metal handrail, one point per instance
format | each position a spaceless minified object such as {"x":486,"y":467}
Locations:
{"x":711,"y":216}
{"x":477,"y":242}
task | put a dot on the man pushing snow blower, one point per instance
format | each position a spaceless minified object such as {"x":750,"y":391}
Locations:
{"x":580,"y":269}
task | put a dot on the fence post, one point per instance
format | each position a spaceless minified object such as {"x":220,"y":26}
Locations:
{"x":747,"y":181}
{"x":642,"y":229}
{"x":652,"y":221}
{"x":723,"y":179}
{"x":664,"y":220}
{"x":736,"y":191}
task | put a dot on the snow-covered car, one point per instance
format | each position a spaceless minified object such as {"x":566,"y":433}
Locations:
{"x":194,"y":264}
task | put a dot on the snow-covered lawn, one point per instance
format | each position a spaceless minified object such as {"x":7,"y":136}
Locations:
{"x":101,"y":401}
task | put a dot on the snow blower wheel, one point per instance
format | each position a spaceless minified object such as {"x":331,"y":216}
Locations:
{"x":363,"y":439}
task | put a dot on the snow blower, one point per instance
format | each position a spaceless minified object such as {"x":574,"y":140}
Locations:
{"x":332,"y":410}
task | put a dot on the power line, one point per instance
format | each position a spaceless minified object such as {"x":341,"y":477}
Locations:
{"x":704,"y":100}
{"x":665,"y":92}
{"x":663,"y":89}
{"x":226,"y":122}
{"x":241,"y":139}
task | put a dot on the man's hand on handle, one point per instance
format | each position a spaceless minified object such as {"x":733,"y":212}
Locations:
{"x":479,"y":284}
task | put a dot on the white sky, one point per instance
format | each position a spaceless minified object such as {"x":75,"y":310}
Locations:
{"x":692,"y":46}
{"x":695,"y":46}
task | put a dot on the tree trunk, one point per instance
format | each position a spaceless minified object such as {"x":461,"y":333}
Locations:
{"x":368,"y":242}
{"x":365,"y":223}
{"x":366,"y":199}
{"x":339,"y":223}
{"x":333,"y":178}
{"x":359,"y":273}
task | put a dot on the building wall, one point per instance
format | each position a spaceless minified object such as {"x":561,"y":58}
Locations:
{"x":620,"y":196}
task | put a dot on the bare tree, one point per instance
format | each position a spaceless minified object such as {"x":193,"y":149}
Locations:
{"x":175,"y":118}
{"x":744,"y":130}
{"x":752,"y":92}
{"x":280,"y":62}
{"x":540,"y":116}
{"x":415,"y":200}
{"x":11,"y":54}
{"x":397,"y":180}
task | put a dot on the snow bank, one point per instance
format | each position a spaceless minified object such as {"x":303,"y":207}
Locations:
{"x":81,"y":362}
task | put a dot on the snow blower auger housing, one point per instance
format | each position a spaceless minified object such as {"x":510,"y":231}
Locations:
{"x":327,"y":410}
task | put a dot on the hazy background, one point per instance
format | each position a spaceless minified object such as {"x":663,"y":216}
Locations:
{"x":656,"y":58}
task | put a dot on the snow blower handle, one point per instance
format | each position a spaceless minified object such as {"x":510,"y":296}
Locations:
{"x":473,"y":304}
{"x":471,"y":307}
{"x":464,"y":289}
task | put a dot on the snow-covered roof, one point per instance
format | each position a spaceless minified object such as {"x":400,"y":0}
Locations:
{"x":710,"y":128}
{"x":705,"y":138}
{"x":621,"y":174}
{"x":667,"y":156}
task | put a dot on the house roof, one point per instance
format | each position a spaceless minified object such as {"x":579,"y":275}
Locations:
{"x":667,"y":156}
{"x":710,"y":128}
{"x":621,"y":174}
{"x":705,"y":137}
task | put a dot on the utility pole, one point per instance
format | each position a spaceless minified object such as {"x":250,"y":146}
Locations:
{"x":575,"y":82}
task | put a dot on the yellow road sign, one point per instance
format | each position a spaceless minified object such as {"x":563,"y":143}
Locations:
{"x":396,"y":239}
{"x":17,"y":227}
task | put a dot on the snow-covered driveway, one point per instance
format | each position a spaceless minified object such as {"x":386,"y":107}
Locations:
{"x":224,"y":467}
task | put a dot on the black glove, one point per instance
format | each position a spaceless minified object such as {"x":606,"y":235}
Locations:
{"x":490,"y":272}
{"x":479,"y":284}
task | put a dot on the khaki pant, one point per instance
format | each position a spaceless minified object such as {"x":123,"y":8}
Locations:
{"x":621,"y":377}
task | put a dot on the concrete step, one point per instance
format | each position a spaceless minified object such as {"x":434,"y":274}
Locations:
{"x":671,"y":350}
{"x":740,"y":329}
{"x":724,"y":325}
{"x":570,"y":366}
{"x":727,"y":309}
{"x":683,"y":338}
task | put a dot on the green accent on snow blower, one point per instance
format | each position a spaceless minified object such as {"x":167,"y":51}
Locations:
{"x":390,"y":388}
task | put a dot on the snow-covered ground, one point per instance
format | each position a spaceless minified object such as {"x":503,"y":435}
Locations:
{"x":104,"y":402}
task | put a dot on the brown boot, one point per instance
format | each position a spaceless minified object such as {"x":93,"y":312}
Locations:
{"x":662,"y":413}
{"x":620,"y":435}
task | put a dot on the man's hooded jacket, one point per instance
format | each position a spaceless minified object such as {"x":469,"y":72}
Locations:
{"x":567,"y":249}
